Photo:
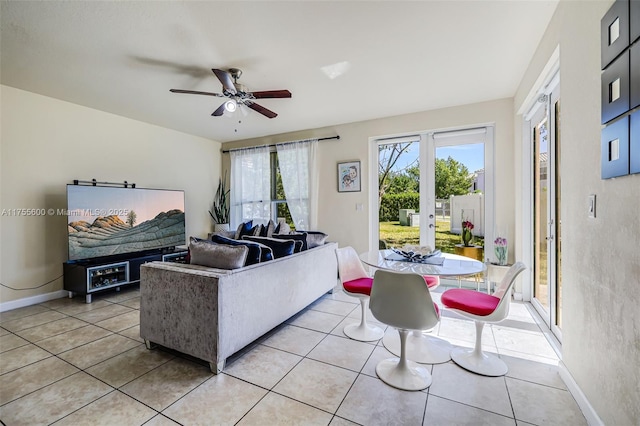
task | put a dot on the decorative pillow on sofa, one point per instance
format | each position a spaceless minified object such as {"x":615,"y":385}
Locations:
{"x":315,"y":238}
{"x":281,"y":248}
{"x":254,"y":255}
{"x":282,"y":228}
{"x":226,"y":234}
{"x":298,"y":237}
{"x":268,"y":229}
{"x":245,"y":228}
{"x":220,"y":256}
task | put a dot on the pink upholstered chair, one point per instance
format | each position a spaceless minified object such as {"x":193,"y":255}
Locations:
{"x":482,"y":308}
{"x":357,"y":283}
{"x":404,"y":302}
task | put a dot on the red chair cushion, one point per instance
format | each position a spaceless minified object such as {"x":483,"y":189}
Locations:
{"x":359,"y":285}
{"x":431,"y":281}
{"x":471,"y":301}
{"x":437,"y":308}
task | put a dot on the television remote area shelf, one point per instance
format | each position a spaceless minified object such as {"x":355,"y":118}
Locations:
{"x":88,"y":277}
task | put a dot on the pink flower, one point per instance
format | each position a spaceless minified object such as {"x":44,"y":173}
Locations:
{"x":501,"y":242}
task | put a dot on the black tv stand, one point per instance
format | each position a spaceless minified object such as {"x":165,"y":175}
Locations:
{"x":94,"y":275}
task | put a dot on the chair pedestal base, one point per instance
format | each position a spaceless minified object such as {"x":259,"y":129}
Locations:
{"x":479,"y":362}
{"x":421,"y":348}
{"x":410,"y":376}
{"x":363,"y":333}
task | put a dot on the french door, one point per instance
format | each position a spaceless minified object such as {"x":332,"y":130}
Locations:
{"x":546,"y":210}
{"x":429,"y":146}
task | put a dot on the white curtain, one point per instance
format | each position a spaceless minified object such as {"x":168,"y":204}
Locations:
{"x":297,"y":162}
{"x":250,"y":185}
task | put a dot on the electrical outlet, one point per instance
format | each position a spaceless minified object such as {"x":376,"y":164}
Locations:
{"x":592,"y":205}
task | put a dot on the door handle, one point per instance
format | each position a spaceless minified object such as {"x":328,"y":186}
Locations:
{"x":431,"y":225}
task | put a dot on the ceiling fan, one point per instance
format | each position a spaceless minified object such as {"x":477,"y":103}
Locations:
{"x":238,"y":94}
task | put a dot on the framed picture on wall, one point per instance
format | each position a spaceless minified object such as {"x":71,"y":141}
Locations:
{"x":349,"y":176}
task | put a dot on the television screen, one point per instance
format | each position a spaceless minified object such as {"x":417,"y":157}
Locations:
{"x":108,"y":221}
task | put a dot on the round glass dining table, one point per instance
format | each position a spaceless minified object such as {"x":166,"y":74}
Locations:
{"x":453,"y":266}
{"x":422,"y":347}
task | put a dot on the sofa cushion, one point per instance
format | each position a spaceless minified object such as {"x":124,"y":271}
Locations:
{"x":281,"y":248}
{"x":245,"y":228}
{"x":268,"y":229}
{"x":220,"y":256}
{"x":255,"y":251}
{"x":282,"y":228}
{"x":315,"y":238}
{"x":298,"y":236}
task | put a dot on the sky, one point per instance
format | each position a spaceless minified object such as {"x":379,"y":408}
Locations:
{"x":471,"y":155}
{"x":89,"y":202}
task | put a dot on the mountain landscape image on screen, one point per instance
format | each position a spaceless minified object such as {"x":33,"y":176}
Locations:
{"x":107,"y":221}
{"x":110,"y":235}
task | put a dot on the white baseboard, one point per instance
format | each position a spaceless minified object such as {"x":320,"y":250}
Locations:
{"x":587,"y":409}
{"x":33,"y":300}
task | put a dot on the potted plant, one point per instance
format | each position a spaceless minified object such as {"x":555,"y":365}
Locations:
{"x":220,"y":212}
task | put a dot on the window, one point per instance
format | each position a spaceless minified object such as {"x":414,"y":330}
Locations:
{"x":268,"y":184}
{"x":279,"y":206}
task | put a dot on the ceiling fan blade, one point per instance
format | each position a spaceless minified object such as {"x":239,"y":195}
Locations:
{"x":219,"y":111}
{"x":266,"y":94}
{"x":262,"y":110}
{"x":194,"y":92}
{"x":225,"y":79}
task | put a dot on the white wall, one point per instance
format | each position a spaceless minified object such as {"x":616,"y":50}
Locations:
{"x":337,"y":213}
{"x":600,"y":261}
{"x":467,"y":207}
{"x":47,"y":143}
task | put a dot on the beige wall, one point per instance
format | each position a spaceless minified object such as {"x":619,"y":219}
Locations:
{"x":46,"y":143}
{"x":337,"y":213}
{"x":600,"y":261}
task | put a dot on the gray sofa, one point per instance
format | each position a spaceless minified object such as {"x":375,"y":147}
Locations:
{"x":212,"y":313}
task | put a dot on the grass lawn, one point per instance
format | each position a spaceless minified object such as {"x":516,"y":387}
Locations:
{"x":397,"y":236}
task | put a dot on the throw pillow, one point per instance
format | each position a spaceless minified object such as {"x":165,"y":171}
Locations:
{"x":315,"y":238}
{"x":254,"y":254}
{"x":282,"y":228}
{"x":257,"y":230}
{"x":244,"y":229}
{"x":268,"y":229}
{"x":298,"y":236}
{"x":281,"y":248}
{"x":220,"y":256}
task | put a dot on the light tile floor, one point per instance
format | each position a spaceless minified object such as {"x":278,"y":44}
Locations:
{"x":65,"y":362}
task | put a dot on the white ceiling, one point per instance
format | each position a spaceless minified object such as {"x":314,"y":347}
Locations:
{"x":123,"y":57}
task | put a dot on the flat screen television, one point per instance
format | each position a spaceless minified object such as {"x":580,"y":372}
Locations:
{"x":111,"y":221}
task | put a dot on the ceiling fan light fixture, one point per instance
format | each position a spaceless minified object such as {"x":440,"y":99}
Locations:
{"x":231,"y":105}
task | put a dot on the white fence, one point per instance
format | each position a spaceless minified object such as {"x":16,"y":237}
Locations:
{"x":467,"y":207}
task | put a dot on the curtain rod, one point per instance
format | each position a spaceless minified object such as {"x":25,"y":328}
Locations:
{"x":337,"y":137}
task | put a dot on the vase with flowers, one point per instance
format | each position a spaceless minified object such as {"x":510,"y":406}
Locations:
{"x":467,"y":234}
{"x":500,"y":248}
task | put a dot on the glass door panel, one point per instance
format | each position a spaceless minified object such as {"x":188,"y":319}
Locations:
{"x":556,"y":293}
{"x":399,"y":193}
{"x":546,"y":212}
{"x":540,"y":212}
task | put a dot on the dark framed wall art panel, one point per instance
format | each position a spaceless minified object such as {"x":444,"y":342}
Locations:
{"x":634,"y":20}
{"x":615,"y":149}
{"x":634,"y":142}
{"x":634,"y":76}
{"x":615,"y":88}
{"x":614,"y":31}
